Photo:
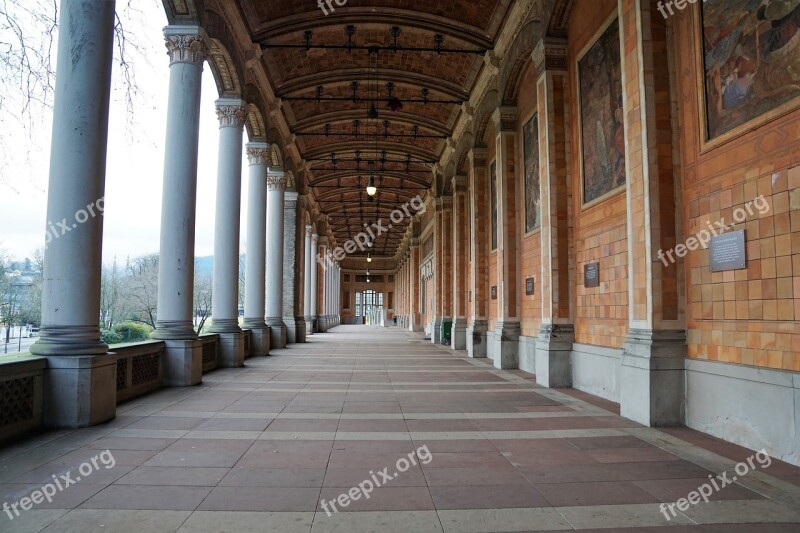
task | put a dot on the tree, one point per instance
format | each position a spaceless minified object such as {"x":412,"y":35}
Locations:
{"x":28,"y":39}
{"x":202,"y":297}
{"x":140,"y":289}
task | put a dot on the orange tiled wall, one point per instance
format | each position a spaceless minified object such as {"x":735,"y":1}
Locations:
{"x":749,"y":316}
{"x":601,"y":314}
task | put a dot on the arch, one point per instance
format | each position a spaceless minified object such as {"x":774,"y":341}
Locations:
{"x":462,"y":151}
{"x":517,"y":59}
{"x":256,"y":124}
{"x":275,"y":156}
{"x":484,"y":114}
{"x":226,"y":69}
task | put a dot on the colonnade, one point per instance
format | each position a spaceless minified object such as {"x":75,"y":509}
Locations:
{"x":81,"y":372}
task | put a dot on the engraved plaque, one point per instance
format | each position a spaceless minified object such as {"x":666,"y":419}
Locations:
{"x":494,"y":292}
{"x":727,"y":252}
{"x":591,"y":275}
{"x":529,"y":286}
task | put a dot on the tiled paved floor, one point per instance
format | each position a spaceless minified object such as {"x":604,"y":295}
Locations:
{"x":257,"y":448}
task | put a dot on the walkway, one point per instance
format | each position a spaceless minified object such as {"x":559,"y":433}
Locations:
{"x":257,"y":448}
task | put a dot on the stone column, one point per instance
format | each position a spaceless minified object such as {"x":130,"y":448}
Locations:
{"x":507,"y":330}
{"x":307,"y":290}
{"x":414,"y":294}
{"x":653,"y":360}
{"x":557,"y":332}
{"x":276,"y":188}
{"x":445,"y":251}
{"x":292,"y":315}
{"x":337,"y":295}
{"x":183,"y":354}
{"x":477,"y":331}
{"x":80,"y":376}
{"x":438,"y":271}
{"x":225,"y":308}
{"x":255,"y":260}
{"x":314,"y":291}
{"x":458,"y":337}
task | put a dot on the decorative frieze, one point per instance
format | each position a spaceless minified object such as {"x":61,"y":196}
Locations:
{"x":550,"y":55}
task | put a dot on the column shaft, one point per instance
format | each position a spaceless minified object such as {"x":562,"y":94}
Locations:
{"x":307,"y":295}
{"x":255,"y":259}
{"x":276,"y":187}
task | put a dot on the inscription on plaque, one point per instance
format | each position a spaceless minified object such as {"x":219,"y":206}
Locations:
{"x":727,"y":252}
{"x":494,"y":292}
{"x":529,"y":286}
{"x":591,"y":275}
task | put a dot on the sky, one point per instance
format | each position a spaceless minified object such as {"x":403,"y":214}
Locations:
{"x":134,"y":172}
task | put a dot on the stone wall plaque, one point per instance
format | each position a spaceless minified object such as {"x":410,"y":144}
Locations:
{"x":494,"y":292}
{"x":529,"y":286}
{"x":591,"y":275}
{"x":727,"y":252}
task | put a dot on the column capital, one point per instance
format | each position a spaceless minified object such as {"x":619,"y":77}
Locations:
{"x":309,"y":230}
{"x":477,"y":156}
{"x":314,"y":239}
{"x":459,"y":183}
{"x":276,"y":180}
{"x":186,"y":44}
{"x":550,"y":55}
{"x":258,"y":153}
{"x":231,"y":112}
{"x":505,"y":118}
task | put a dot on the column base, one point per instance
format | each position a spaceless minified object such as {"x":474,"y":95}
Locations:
{"x":170,"y":330}
{"x":183,"y":363}
{"x":505,"y":353}
{"x":458,"y":335}
{"x":295,"y":330}
{"x":259,"y":341}
{"x":553,"y":355}
{"x":477,"y":339}
{"x":231,"y":350}
{"x":436,"y":330}
{"x":81,"y":390}
{"x":309,"y":325}
{"x":278,"y":334}
{"x":653,"y":372}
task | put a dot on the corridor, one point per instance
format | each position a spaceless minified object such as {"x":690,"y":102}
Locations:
{"x":258,"y":448}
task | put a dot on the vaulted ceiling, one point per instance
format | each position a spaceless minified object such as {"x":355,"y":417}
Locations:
{"x":415,"y":61}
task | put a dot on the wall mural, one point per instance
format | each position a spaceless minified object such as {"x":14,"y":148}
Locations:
{"x":751,"y":54}
{"x":493,"y":199}
{"x":530,"y":140}
{"x":603,"y":133}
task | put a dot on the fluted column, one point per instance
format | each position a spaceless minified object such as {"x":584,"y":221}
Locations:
{"x":81,"y":386}
{"x":309,"y":261}
{"x":255,"y":259}
{"x":225,"y":308}
{"x":276,"y":188}
{"x":314,"y":294}
{"x":187,"y":49}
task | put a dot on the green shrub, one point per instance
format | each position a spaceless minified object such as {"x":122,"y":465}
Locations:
{"x":132,"y":332}
{"x":110,"y":337}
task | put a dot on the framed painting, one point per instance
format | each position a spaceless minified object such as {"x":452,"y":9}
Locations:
{"x":602,"y":132}
{"x":530,"y":140}
{"x":750,"y":64}
{"x":493,"y":200}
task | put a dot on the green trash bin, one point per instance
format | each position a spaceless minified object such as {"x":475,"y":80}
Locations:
{"x":446,"y":328}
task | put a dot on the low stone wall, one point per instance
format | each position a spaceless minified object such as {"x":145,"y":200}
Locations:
{"x":21,"y":396}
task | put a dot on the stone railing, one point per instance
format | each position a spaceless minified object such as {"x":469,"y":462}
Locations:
{"x":210,"y":360}
{"x":21,"y":396}
{"x":139,"y":368}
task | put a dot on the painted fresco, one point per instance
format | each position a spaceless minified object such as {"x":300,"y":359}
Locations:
{"x":751,"y":52}
{"x":603,"y":134}
{"x":530,"y":139}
